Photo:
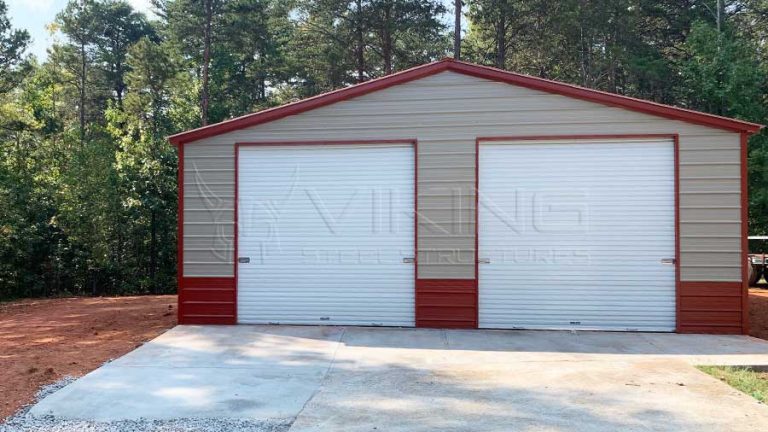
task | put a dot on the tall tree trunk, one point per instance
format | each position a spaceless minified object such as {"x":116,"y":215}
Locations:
{"x":719,"y":15}
{"x":359,"y":47}
{"x":501,"y":40}
{"x":54,"y":98}
{"x":83,"y":71}
{"x":153,"y":251}
{"x":612,"y":78}
{"x":386,"y":34}
{"x":457,"y":30}
{"x":584,"y":55}
{"x":206,"y":61}
{"x":119,"y":86}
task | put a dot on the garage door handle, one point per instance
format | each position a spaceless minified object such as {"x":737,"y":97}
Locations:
{"x":244,"y":260}
{"x":668,"y":260}
{"x":483,"y":260}
{"x":409,"y":260}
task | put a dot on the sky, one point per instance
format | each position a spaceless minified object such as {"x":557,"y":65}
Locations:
{"x":35,"y":15}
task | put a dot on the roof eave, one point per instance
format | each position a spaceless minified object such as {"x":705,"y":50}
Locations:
{"x":598,"y":96}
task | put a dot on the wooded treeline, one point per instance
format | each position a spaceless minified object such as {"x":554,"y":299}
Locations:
{"x":88,"y":180}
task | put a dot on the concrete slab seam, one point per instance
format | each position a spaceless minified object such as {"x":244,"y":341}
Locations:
{"x":327,"y":373}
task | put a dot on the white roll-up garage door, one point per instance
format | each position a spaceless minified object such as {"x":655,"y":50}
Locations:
{"x":577,"y":235}
{"x":327,"y":231}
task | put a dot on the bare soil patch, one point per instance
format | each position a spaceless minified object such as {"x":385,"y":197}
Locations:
{"x":44,"y":340}
{"x":758,"y":312}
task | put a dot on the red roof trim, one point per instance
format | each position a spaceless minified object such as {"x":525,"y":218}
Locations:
{"x":484,"y":72}
{"x":626,"y":102}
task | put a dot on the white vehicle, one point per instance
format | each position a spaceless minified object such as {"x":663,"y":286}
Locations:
{"x":757,"y":263}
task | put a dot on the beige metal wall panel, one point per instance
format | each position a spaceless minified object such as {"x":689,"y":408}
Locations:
{"x":446,"y":113}
{"x":712,"y":184}
{"x":207,"y":255}
{"x":709,"y":199}
{"x":710,"y":273}
{"x":712,"y":156}
{"x":692,"y":170}
{"x":224,"y":202}
{"x":710,"y":244}
{"x":700,"y":213}
{"x":199,"y":215}
{"x":209,"y":185}
{"x":446,"y":212}
{"x":704,"y":229}
{"x":214,"y":228}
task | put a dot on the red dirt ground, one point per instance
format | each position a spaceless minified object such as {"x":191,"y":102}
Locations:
{"x":42,"y":341}
{"x":758,"y":312}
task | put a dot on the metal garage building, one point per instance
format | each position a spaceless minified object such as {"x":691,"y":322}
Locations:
{"x":457,"y":195}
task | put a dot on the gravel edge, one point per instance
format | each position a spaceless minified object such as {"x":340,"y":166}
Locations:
{"x":22,"y":421}
{"x":52,"y":424}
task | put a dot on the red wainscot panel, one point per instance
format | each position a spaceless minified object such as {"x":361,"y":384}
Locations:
{"x":446,"y":303}
{"x":207,"y":300}
{"x":710,"y":307}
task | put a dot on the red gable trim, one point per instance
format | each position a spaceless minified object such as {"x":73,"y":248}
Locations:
{"x":484,"y":72}
{"x":606,"y":98}
{"x":318,"y":101}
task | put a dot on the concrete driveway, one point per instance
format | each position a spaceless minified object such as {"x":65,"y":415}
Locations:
{"x":376,"y":379}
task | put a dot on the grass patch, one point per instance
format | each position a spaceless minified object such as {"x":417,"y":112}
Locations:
{"x":749,"y":381}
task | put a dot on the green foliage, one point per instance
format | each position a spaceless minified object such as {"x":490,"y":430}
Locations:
{"x":116,"y":27}
{"x":746,"y":380}
{"x":340,"y":42}
{"x":88,"y":179}
{"x":621,"y":46}
{"x":721,"y":74}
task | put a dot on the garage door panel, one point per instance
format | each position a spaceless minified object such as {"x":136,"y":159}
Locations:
{"x":575,"y":234}
{"x":326,"y":229}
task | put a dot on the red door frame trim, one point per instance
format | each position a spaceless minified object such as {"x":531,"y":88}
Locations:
{"x":180,"y":237}
{"x":745,"y":233}
{"x":235,"y":230}
{"x":678,"y":290}
{"x":676,"y":144}
{"x":477,"y":232}
{"x":412,"y":141}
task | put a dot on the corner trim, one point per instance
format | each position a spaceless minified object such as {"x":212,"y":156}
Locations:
{"x":745,"y":233}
